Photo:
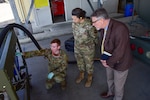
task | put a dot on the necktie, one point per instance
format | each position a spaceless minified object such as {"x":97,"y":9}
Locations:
{"x":102,"y":45}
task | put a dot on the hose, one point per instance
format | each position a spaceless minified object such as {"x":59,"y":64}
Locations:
{"x":10,"y":27}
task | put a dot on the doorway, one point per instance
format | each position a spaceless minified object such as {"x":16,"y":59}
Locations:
{"x":57,"y":9}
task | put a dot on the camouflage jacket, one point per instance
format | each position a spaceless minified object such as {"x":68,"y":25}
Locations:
{"x":84,"y":33}
{"x":57,"y":64}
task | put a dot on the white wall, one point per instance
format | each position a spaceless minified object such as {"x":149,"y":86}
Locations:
{"x":110,"y":5}
{"x":85,"y":5}
{"x":69,"y":5}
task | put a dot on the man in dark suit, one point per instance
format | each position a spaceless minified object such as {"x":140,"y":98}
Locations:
{"x":116,"y":55}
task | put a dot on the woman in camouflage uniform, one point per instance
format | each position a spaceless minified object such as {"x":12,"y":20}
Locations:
{"x":58,"y":62}
{"x":85,"y":37}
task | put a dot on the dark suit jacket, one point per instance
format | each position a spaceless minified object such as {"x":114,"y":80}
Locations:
{"x":117,"y":42}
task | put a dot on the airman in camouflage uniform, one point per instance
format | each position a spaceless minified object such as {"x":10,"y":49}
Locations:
{"x":57,"y":65}
{"x":85,"y":38}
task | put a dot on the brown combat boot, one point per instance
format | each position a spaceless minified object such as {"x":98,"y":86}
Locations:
{"x":49,"y":83}
{"x":80,"y":77}
{"x":63,"y":85}
{"x":89,"y":80}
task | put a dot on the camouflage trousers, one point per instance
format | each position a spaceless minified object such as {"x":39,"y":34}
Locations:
{"x":84,"y":57}
{"x":56,"y":79}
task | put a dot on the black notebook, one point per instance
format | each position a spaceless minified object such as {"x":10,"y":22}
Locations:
{"x":105,"y":56}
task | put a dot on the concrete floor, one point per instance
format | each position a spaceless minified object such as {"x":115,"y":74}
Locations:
{"x":137,"y":85}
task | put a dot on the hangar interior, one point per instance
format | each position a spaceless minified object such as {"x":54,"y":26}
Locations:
{"x":27,"y":83}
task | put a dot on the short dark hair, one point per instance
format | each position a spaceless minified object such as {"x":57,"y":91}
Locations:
{"x":79,"y":12}
{"x":56,"y":41}
{"x":100,"y":12}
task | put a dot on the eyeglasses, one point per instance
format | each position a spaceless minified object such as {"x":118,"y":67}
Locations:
{"x":96,"y":20}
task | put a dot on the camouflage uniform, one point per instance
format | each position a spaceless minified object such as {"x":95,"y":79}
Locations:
{"x":57,"y":65}
{"x":85,"y":37}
